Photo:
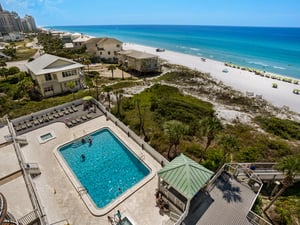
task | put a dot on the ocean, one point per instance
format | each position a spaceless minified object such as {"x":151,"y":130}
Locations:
{"x":271,"y":49}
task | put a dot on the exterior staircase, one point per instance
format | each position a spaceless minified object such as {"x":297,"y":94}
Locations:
{"x":29,"y":219}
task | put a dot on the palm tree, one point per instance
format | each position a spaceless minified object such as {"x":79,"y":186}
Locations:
{"x":209,"y":127}
{"x":71,"y":85}
{"x":229,"y":145}
{"x":122,"y":67}
{"x":87,"y":62}
{"x":89,"y":83}
{"x":112,"y":68}
{"x":108,"y":89}
{"x":141,"y":118}
{"x":119,"y":96}
{"x":290,"y":166}
{"x":175,"y":130}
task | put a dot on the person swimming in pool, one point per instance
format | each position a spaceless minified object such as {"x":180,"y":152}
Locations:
{"x":90,"y":141}
{"x":82,"y":157}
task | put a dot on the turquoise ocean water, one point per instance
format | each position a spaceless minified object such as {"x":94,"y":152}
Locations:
{"x":274,"y":50}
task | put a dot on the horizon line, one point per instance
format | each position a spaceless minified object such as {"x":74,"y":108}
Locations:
{"x":253,"y":26}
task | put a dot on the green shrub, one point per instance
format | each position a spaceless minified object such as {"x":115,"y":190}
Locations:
{"x":286,"y":129}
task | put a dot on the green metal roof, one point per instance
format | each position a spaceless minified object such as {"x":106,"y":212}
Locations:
{"x":185,"y":175}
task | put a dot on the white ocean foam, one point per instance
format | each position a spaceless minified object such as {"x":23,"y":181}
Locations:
{"x":198,"y":53}
{"x":180,"y":46}
{"x":279,"y":67}
{"x":259,"y":63}
{"x":195,"y":49}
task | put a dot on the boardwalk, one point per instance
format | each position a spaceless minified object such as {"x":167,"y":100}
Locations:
{"x":228,"y":202}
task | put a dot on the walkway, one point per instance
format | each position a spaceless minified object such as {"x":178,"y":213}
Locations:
{"x":228,"y":202}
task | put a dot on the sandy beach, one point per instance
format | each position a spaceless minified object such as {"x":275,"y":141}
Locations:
{"x":238,"y":79}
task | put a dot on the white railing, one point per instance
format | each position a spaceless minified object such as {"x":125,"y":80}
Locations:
{"x":256,"y":219}
{"x":28,"y":181}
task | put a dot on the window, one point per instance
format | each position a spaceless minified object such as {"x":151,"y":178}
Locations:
{"x":108,"y":52}
{"x":118,"y":46}
{"x":48,"y":77}
{"x":69,"y":73}
{"x":48,"y":89}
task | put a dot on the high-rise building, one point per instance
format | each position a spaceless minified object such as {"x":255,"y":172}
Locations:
{"x":10,"y":22}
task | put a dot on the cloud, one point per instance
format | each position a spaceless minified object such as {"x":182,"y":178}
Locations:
{"x":34,"y":6}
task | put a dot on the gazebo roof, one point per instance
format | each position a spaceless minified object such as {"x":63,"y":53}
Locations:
{"x":185,"y":175}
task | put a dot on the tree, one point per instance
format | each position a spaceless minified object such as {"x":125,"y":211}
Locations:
{"x":122,"y":67}
{"x":229,"y":145}
{"x":3,"y":64}
{"x":71,"y":85}
{"x":290,"y":166}
{"x":108,"y":89}
{"x":25,"y":85}
{"x":119,"y":95}
{"x":87,"y":62}
{"x":89,"y":83}
{"x":209,"y":127}
{"x":141,"y":119}
{"x":175,"y":130}
{"x":112,"y":68}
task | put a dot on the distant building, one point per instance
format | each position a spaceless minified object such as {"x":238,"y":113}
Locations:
{"x":28,"y":24}
{"x":139,"y":61}
{"x":105,"y":49}
{"x":10,"y":22}
{"x":80,"y":41}
{"x":53,"y":73}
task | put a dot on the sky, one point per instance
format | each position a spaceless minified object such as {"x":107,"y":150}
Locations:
{"x":274,"y":13}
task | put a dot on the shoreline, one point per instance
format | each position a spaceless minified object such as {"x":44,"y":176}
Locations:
{"x":242,"y":80}
{"x":245,"y":81}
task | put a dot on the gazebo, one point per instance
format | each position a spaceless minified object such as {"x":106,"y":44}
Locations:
{"x":181,"y":179}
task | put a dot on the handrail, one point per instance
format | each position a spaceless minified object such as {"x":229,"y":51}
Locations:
{"x":256,"y":219}
{"x":28,"y":181}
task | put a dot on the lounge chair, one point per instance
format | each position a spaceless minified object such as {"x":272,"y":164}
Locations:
{"x":70,"y":110}
{"x":29,"y":124}
{"x":61,"y":113}
{"x":41,"y":120}
{"x":23,"y":126}
{"x":74,"y":108}
{"x":36,"y":122}
{"x":88,"y":116}
{"x":83,"y":117}
{"x":50,"y":116}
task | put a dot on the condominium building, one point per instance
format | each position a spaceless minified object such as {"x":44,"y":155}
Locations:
{"x":10,"y":22}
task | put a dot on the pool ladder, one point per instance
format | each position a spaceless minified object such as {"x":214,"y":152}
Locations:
{"x":81,"y":190}
{"x":142,"y":156}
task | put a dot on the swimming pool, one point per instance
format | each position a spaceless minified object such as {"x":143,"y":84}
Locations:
{"x":108,"y":170}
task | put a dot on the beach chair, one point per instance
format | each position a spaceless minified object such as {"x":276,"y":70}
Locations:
{"x":74,"y":108}
{"x":28,"y":124}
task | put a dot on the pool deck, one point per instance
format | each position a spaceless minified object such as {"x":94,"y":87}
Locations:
{"x":58,"y":196}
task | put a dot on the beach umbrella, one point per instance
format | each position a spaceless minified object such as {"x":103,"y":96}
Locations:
{"x":87,"y":98}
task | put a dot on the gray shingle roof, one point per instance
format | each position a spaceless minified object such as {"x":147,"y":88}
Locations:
{"x":50,"y":63}
{"x":137,"y":54}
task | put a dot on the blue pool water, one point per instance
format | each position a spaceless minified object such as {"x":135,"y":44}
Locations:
{"x":109,"y":168}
